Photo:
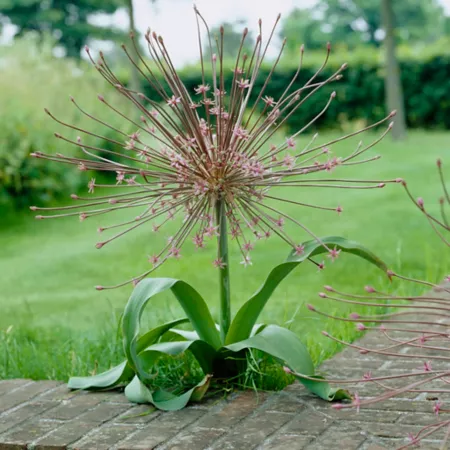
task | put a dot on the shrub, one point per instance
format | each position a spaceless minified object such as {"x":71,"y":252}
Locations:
{"x":32,"y":78}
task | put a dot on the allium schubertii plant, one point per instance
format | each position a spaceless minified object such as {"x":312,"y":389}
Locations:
{"x":210,"y":159}
{"x":413,"y":329}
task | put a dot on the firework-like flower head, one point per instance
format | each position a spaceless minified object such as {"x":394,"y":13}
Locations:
{"x":219,"y":145}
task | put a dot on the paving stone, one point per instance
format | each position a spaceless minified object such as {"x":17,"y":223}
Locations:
{"x":103,"y":412}
{"x":74,"y":407}
{"x":285,"y":402}
{"x":309,"y":422}
{"x":24,"y":393}
{"x":104,"y":438}
{"x":338,"y":437}
{"x":287,"y":441}
{"x":64,"y":435}
{"x":194,"y":439}
{"x":7,"y":386}
{"x":29,"y":431}
{"x":233,"y":411}
{"x":29,"y":410}
{"x":163,"y":428}
{"x":252,"y":432}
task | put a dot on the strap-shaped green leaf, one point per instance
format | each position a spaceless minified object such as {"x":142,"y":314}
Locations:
{"x":285,"y":346}
{"x":248,"y":314}
{"x":137,"y":392}
{"x":193,"y":304}
{"x":106,"y":380}
{"x":153,"y":335}
{"x":123,"y":372}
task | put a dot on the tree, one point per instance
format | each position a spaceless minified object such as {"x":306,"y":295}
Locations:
{"x":392,"y":84}
{"x":356,"y":22}
{"x":66,"y":20}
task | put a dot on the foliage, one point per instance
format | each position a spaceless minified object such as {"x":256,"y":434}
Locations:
{"x":61,"y":329}
{"x":31,"y":80}
{"x":67,"y":21}
{"x":219,"y":358}
{"x":357,"y":22}
{"x":426,"y":86}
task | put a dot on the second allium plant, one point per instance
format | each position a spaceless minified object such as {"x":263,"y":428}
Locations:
{"x":211,"y":158}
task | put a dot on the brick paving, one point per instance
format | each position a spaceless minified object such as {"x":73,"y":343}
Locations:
{"x":46,"y":415}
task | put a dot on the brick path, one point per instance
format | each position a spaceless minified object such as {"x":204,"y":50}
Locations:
{"x":45,"y":415}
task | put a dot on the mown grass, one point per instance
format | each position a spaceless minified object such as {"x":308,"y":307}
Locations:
{"x":53,"y":324}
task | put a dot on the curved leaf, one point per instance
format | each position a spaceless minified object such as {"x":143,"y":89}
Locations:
{"x":176,"y":335}
{"x":106,"y":380}
{"x":248,"y":314}
{"x":137,"y":392}
{"x":153,"y":335}
{"x":190,"y":300}
{"x":285,"y":346}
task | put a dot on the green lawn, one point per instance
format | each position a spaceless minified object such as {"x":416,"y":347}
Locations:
{"x":54,"y":324}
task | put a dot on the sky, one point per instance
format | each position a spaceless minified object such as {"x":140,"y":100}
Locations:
{"x":175,"y":20}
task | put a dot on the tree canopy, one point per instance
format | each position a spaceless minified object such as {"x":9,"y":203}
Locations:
{"x":355,"y":22}
{"x":66,"y":20}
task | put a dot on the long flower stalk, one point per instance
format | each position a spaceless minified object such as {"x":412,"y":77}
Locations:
{"x":224,"y":270}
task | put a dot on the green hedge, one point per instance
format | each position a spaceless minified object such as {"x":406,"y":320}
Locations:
{"x":360,"y":94}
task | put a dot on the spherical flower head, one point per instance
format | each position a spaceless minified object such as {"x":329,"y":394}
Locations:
{"x":192,"y":150}
{"x":360,"y":327}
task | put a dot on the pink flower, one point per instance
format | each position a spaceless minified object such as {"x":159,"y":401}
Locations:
{"x":269,"y":101}
{"x":202,"y":89}
{"x":91,"y":186}
{"x":360,"y":327}
{"x":437,"y":407}
{"x":153,"y":260}
{"x":279,"y":222}
{"x":339,"y":209}
{"x":219,"y":263}
{"x":246,"y":261}
{"x":243,"y":84}
{"x":173,"y":101}
{"x":212,"y":230}
{"x":175,"y":252}
{"x":120,"y":177}
{"x":289,"y":161}
{"x":290,"y":143}
{"x":248,"y":246}
{"x":240,"y":133}
{"x":333,"y":254}
{"x":198,"y":240}
{"x":299,"y":249}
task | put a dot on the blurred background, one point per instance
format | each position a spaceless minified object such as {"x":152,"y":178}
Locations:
{"x":399,"y":58}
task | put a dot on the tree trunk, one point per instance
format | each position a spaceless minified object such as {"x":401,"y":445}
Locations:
{"x":135,"y":82}
{"x":392,"y":83}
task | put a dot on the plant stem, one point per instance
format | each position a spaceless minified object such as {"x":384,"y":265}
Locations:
{"x":224,"y":273}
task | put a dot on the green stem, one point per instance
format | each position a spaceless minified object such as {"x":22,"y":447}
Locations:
{"x":224,"y":273}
